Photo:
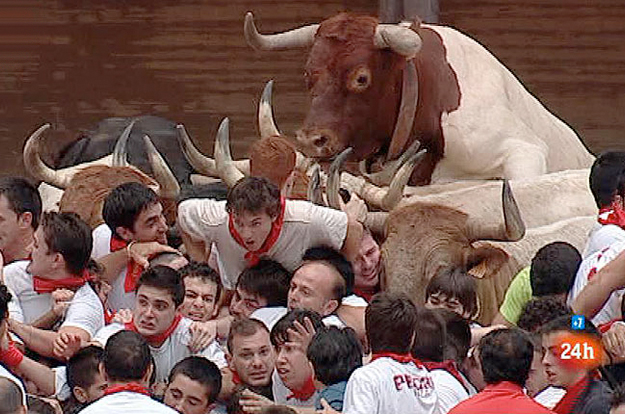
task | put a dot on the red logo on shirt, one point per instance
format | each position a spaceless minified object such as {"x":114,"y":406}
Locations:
{"x":422,"y":386}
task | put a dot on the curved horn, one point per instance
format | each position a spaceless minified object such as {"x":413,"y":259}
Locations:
{"x":401,"y":40}
{"x":266,"y":124}
{"x":334,"y":179}
{"x":314,"y":193}
{"x":120,"y":152}
{"x":37,"y":168}
{"x":296,"y":38}
{"x":162,"y":173}
{"x":376,"y":222}
{"x":395,"y":191}
{"x":513,"y":227}
{"x":223,"y":159}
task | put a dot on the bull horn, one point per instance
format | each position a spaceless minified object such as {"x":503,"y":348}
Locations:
{"x":169,"y":187}
{"x":223,"y":159}
{"x":334,"y":179}
{"x":37,"y":168}
{"x":376,"y":222}
{"x":401,"y":40}
{"x":266,"y":124}
{"x":120,"y":152}
{"x":513,"y":227}
{"x":296,"y":38}
{"x":314,"y":193}
{"x":395,"y":192}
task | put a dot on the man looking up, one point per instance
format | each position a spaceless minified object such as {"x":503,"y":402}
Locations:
{"x":193,"y":386}
{"x":20,"y":210}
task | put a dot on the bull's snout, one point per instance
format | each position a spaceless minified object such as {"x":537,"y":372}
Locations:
{"x":320,"y":143}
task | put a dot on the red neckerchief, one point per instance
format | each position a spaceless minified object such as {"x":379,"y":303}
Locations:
{"x":305,"y":392}
{"x":276,"y":227}
{"x":401,"y":358}
{"x":157,"y":338}
{"x":131,"y":386}
{"x":41,"y":285}
{"x":572,"y":396}
{"x":108,"y":315}
{"x":449,"y":366}
{"x":236,"y":380}
{"x":366,"y":293}
{"x":133,"y":270}
{"x":612,"y":215}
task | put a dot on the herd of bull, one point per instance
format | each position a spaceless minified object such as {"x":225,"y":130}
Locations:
{"x":397,"y":105}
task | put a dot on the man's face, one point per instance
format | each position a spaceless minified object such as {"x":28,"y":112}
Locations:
{"x":367,"y":263}
{"x":187,"y":396}
{"x":43,"y":260}
{"x":442,"y":301}
{"x":537,"y":379}
{"x":253,"y":228}
{"x":150,"y":225}
{"x":95,"y":390}
{"x":243,"y":304}
{"x":620,"y":409}
{"x":10,"y":226}
{"x":292,"y":366}
{"x":311,"y":288}
{"x":154,"y":310}
{"x":199,"y":299}
{"x":558,"y":373}
{"x":253,"y":358}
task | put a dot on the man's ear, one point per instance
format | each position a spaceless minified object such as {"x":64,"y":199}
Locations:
{"x":229,"y":361}
{"x":148,"y":374}
{"x":330,"y":307}
{"x":80,"y":394}
{"x":124,"y":233}
{"x":103,"y":372}
{"x":25,"y":220}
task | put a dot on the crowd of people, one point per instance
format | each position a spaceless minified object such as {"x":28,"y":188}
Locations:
{"x":274,"y":305}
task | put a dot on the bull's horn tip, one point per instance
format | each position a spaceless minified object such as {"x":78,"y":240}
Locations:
{"x":179,"y":126}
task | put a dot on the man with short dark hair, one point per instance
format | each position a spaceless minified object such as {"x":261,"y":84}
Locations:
{"x":265,"y":284}
{"x":506,"y":357}
{"x":193,"y":386}
{"x":84,"y":379}
{"x":127,"y":366}
{"x":202,"y":288}
{"x":20,"y":211}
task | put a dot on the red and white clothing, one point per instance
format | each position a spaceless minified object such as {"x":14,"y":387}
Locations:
{"x":304,"y":225}
{"x":449,"y":389}
{"x":283,"y":395}
{"x":5,"y":373}
{"x":85,"y":310}
{"x":588,"y":269}
{"x":127,"y":402}
{"x":503,"y":397}
{"x":174,"y":349}
{"x":386,"y":386}
{"x":602,"y":236}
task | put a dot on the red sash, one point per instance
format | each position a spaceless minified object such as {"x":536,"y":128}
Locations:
{"x":276,"y":227}
{"x":449,"y":366}
{"x":401,"y":358}
{"x":305,"y":392}
{"x":612,"y":215}
{"x":572,"y":396}
{"x":131,"y":386}
{"x":157,"y":338}
{"x":133,"y":270}
{"x":41,"y":285}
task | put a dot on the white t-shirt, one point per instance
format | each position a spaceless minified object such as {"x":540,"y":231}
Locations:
{"x":61,"y":388}
{"x":118,"y":298}
{"x":550,"y":396}
{"x":602,"y":236}
{"x":386,"y":386}
{"x":449,"y":390}
{"x":174,"y":349}
{"x":5,"y":373}
{"x":127,"y":403}
{"x":305,"y":225}
{"x":85,"y":310}
{"x":281,"y":392}
{"x":271,"y":315}
{"x":588,"y":269}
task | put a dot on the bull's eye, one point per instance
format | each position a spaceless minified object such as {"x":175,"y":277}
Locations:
{"x":359,"y":79}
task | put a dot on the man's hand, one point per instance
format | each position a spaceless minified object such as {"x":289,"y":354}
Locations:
{"x":614,"y":340}
{"x":61,"y":299}
{"x":356,"y":209}
{"x":140,"y":252}
{"x":301,"y":335}
{"x":202,"y":334}
{"x":122,"y":316}
{"x":66,"y":345}
{"x":251,"y":402}
{"x":326,"y":408}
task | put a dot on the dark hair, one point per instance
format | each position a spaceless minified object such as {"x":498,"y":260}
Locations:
{"x":254,"y":195}
{"x":430,"y":337}
{"x":458,"y":335}
{"x":537,"y":312}
{"x":336,"y":260}
{"x":390,"y":322}
{"x":553,"y":269}
{"x":618,"y":396}
{"x":607,"y":177}
{"x":166,"y":278}
{"x":334,"y":353}
{"x":201,"y":370}
{"x":10,"y":395}
{"x":267,"y":279}
{"x":23,"y":197}
{"x":38,"y":405}
{"x":124,"y":204}
{"x":563,"y":323}
{"x":83,"y":366}
{"x":455,"y":283}
{"x":69,"y":235}
{"x":126,"y":357}
{"x":279,"y":333}
{"x":506,"y":355}
{"x":203,"y":272}
{"x":5,"y":298}
{"x":244,"y":327}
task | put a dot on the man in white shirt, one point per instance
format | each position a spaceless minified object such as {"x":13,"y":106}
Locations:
{"x":134,"y":230}
{"x":127,"y":366}
{"x":193,"y":386}
{"x":60,"y":260}
{"x":160,"y":292}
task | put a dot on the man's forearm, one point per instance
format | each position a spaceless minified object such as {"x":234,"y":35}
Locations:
{"x":46,"y":320}
{"x":353,"y":239}
{"x":38,"y":340}
{"x":113,"y":264}
{"x":42,"y":376}
{"x":196,"y":250}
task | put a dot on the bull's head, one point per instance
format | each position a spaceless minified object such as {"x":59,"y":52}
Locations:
{"x":354,"y":75}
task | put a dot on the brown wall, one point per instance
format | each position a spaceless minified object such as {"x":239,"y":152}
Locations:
{"x":569,"y":53}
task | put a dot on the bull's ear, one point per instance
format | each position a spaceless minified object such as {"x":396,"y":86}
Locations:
{"x":485,"y":260}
